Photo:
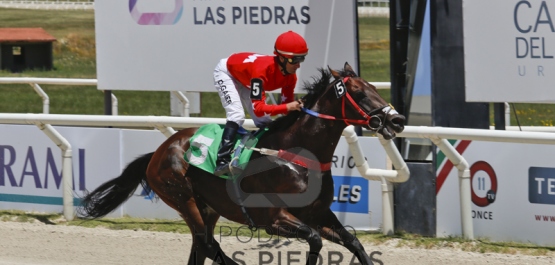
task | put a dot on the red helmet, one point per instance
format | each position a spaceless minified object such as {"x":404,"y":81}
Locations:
{"x":290,"y":44}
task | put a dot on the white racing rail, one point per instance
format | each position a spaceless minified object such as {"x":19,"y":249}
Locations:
{"x":437,"y":135}
{"x":35,"y":81}
{"x":165,"y":124}
{"x":386,"y":177}
{"x":48,"y":4}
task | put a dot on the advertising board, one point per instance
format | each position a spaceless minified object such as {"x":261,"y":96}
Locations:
{"x":513,"y":192}
{"x":176,"y":44}
{"x":509,"y":48}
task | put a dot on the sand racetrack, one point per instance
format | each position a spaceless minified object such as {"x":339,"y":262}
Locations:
{"x":39,"y":243}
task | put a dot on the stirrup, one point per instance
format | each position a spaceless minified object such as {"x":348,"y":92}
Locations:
{"x":222,"y":169}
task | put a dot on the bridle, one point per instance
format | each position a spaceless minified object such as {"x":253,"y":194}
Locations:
{"x":370,"y":118}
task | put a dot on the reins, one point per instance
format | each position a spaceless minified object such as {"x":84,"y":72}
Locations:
{"x":371,"y":118}
{"x":368,"y":118}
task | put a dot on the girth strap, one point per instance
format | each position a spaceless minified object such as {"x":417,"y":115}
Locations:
{"x":303,"y":161}
{"x":295,"y":159}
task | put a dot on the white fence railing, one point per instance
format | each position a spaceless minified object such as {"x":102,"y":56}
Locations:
{"x":35,"y":82}
{"x":89,"y":4}
{"x":365,"y":7}
{"x":438,"y":135}
{"x":373,"y":3}
{"x":165,"y":124}
{"x":48,"y":4}
{"x":373,"y":8}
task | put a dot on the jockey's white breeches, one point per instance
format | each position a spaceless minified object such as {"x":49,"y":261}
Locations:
{"x":235,"y":97}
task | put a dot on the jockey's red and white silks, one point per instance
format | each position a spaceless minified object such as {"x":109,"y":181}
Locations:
{"x":233,"y":94}
{"x":233,"y":77}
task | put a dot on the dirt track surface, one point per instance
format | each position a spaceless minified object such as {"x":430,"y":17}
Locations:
{"x":38,"y":243}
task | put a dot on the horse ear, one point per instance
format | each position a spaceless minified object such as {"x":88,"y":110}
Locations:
{"x":335,"y":74}
{"x":348,"y":69}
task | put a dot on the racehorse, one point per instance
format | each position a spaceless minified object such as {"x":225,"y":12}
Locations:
{"x":201,"y":198}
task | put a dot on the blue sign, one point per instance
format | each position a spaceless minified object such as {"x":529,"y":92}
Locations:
{"x":541,"y":185}
{"x":350,"y":194}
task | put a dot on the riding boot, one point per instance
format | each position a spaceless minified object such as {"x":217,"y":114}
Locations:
{"x":226,"y":148}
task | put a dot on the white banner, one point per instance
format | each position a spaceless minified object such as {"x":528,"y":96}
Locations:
{"x":31,"y":164}
{"x":176,"y":44}
{"x":513,"y":192}
{"x":509,"y":50}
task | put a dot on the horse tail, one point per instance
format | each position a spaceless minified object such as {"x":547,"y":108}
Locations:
{"x":108,"y":196}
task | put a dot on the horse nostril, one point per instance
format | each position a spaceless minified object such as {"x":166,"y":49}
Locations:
{"x":399,"y":121}
{"x":397,"y":126}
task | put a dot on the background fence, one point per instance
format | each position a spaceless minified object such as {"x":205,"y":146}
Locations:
{"x":89,"y":4}
{"x":48,"y":4}
{"x":374,"y":3}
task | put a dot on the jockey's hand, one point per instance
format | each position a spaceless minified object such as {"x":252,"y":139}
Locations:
{"x":294,"y":105}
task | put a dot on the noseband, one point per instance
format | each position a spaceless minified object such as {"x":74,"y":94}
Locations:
{"x":371,"y":118}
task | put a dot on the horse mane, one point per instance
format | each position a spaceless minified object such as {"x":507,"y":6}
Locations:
{"x":313,"y":91}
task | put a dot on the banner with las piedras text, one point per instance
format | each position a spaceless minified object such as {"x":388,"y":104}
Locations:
{"x":169,"y":45}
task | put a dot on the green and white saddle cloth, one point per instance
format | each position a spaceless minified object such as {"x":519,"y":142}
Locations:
{"x":205,"y":143}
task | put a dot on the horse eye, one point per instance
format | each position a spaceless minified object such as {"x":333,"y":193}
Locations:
{"x":359,"y":95}
{"x":363,"y":100}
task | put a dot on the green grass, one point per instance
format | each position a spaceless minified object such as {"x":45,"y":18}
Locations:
{"x":58,"y":23}
{"x":530,"y":114}
{"x":373,"y":31}
{"x":374,"y":50}
{"x":74,"y":57}
{"x":374,"y":65}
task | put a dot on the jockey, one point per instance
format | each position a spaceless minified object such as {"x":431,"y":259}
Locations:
{"x":242,"y":79}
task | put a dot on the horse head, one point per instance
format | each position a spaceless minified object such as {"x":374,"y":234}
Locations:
{"x":361,"y":99}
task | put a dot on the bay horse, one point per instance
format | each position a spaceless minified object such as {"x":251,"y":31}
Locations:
{"x":201,"y":198}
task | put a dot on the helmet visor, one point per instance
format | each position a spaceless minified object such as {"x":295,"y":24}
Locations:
{"x":295,"y":59}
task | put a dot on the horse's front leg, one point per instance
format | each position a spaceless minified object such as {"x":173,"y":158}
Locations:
{"x":331,"y":229}
{"x":287,"y":225}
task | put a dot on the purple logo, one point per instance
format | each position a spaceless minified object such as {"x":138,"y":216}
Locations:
{"x":156,"y":18}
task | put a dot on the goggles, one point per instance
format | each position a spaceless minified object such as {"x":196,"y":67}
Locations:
{"x":295,"y":59}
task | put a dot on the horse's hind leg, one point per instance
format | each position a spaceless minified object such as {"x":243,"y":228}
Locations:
{"x":331,"y":229}
{"x":288,"y":225}
{"x":166,"y":176}
{"x":197,"y":255}
{"x":202,"y":220}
